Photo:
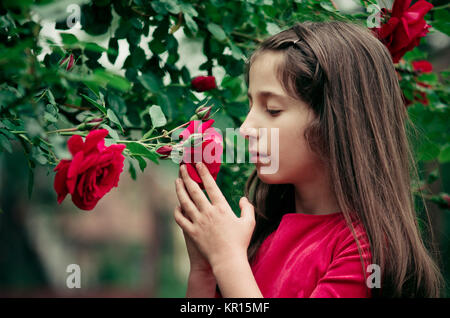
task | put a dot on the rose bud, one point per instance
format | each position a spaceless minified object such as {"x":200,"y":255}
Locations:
{"x":68,"y":62}
{"x":203,"y":112}
{"x":203,"y":83}
{"x":164,"y":151}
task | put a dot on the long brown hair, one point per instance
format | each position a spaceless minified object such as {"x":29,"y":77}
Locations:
{"x":361,"y":130}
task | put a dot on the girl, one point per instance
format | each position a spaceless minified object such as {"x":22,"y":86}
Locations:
{"x":337,"y":219}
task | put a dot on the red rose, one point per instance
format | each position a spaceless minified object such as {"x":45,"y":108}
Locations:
{"x":203,"y":83}
{"x":422,"y":66}
{"x":403,"y":30}
{"x":209,"y":150}
{"x":93,"y":171}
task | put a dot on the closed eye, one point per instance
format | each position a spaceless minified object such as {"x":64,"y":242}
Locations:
{"x":273,"y":112}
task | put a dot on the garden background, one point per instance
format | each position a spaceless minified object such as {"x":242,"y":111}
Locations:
{"x":69,"y":66}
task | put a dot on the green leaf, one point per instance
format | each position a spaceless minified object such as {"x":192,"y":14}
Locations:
{"x":137,"y":23}
{"x":150,"y":82}
{"x":327,"y":6}
{"x":8,"y":134}
{"x":39,"y":155}
{"x":171,"y":6}
{"x":112,"y":133}
{"x":185,"y":75}
{"x":141,"y":161}
{"x":68,"y":38}
{"x":97,"y":105}
{"x":157,"y":116}
{"x":191,"y":24}
{"x":272,"y":28}
{"x":115,"y":81}
{"x":217,"y":31}
{"x":137,"y":57}
{"x":5,"y":144}
{"x":236,"y":51}
{"x":131,"y":169}
{"x":89,"y":46}
{"x":138,"y":149}
{"x":93,"y":87}
{"x":444,"y":156}
{"x":113,"y":46}
{"x":112,"y":116}
{"x":51,"y":98}
{"x":4,"y":122}
{"x":50,"y":118}
{"x":442,"y":21}
{"x":429,"y":78}
{"x":433,"y":176}
{"x":156,"y":46}
{"x":428,"y":151}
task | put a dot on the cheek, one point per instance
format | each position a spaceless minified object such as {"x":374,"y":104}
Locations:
{"x":296,"y":161}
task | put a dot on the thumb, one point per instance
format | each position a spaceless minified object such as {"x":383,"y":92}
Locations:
{"x":247,"y":209}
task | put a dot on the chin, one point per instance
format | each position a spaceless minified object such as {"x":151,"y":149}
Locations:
{"x":268,"y":177}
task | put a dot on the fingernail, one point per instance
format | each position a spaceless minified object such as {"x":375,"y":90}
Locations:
{"x":199,"y":165}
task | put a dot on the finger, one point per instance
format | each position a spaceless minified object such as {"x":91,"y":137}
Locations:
{"x":185,"y":201}
{"x":210,"y":184}
{"x":184,"y":213}
{"x":182,"y":221}
{"x":197,"y":195}
{"x":247,"y":209}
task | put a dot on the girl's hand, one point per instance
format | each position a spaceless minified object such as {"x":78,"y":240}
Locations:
{"x":198,"y":262}
{"x":214,"y":228}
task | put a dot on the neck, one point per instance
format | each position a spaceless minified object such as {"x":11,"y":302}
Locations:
{"x":315,"y":196}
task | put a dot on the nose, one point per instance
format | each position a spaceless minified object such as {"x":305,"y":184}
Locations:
{"x":246,"y":130}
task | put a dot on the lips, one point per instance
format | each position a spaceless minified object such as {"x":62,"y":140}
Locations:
{"x":257,"y":153}
{"x":261,"y":158}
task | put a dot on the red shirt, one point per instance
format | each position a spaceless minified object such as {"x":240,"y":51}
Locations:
{"x":313,"y":256}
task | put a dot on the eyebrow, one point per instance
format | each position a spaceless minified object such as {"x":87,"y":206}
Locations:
{"x":267,"y":94}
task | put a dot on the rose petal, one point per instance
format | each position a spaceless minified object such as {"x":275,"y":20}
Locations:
{"x":72,"y":173}
{"x":60,"y":180}
{"x":418,"y":10}
{"x":206,"y":125}
{"x":399,"y":7}
{"x":75,"y":144}
{"x":95,"y":140}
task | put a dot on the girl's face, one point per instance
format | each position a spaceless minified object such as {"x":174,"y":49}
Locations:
{"x":272,"y":108}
